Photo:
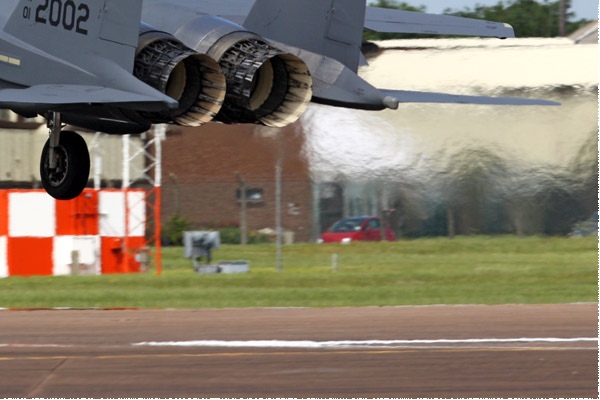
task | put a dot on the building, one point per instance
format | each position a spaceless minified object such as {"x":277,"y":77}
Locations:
{"x":588,"y":34}
{"x":203,"y":170}
{"x":460,"y":169}
{"x":95,"y":233}
{"x":42,"y":236}
{"x":21,"y":143}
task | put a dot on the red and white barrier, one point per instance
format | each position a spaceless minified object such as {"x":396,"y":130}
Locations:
{"x":89,"y":234}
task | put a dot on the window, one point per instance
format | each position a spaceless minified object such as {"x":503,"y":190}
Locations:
{"x":254,"y":195}
{"x":373,"y":224}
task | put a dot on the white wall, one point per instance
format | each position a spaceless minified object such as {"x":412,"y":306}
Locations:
{"x":421,"y":139}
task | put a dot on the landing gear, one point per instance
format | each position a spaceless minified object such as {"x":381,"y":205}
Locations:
{"x":65,"y":162}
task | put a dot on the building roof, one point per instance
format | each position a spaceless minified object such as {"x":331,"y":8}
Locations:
{"x":587,"y":34}
{"x":483,"y":66}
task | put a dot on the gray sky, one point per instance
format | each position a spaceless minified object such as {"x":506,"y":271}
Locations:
{"x":587,"y":9}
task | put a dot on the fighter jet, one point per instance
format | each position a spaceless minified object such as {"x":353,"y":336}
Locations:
{"x":120,"y":66}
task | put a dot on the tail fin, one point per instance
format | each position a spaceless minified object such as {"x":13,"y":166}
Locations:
{"x":332,"y":28}
{"x":68,"y":29}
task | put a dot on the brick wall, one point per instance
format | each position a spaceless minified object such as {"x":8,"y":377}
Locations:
{"x":200,"y":182}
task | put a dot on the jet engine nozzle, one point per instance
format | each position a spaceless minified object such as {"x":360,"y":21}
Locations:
{"x":195,"y":80}
{"x":264,"y":84}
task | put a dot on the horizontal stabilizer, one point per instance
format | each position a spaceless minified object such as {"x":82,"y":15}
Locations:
{"x":57,"y":96}
{"x":406,"y":96}
{"x":399,"y":21}
{"x":336,"y":85}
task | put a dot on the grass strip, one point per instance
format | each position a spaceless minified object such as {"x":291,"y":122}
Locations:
{"x":464,"y":270}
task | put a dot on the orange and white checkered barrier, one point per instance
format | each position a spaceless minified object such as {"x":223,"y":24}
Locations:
{"x":42,"y":236}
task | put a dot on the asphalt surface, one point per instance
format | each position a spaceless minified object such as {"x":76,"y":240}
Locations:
{"x":435,"y":351}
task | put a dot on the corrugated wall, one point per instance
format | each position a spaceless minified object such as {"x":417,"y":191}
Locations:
{"x":19,"y":154}
{"x":20,"y":151}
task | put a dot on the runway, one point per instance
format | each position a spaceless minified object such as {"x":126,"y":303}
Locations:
{"x":430,"y":351}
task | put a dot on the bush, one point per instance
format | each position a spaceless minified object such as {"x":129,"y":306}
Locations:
{"x":172,"y":231}
{"x":257,"y":238}
{"x":233,"y":235}
{"x":230,"y":235}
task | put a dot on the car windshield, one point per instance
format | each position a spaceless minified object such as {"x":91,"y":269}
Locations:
{"x":347,"y":225}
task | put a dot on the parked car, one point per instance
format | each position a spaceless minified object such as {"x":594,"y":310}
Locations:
{"x":354,"y":229}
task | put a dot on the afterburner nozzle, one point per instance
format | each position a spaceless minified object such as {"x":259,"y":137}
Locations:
{"x":195,"y":80}
{"x":264,"y":85}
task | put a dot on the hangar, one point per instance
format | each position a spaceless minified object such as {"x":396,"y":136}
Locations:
{"x":460,"y":169}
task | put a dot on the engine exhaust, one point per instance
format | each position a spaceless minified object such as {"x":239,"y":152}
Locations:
{"x":195,"y":80}
{"x":264,"y":84}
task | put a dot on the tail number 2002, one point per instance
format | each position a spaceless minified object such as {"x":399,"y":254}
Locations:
{"x":63,"y":13}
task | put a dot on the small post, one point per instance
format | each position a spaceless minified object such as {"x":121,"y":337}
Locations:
{"x":160,"y":135}
{"x":74,"y":262}
{"x":125,"y":190}
{"x":244,"y":212}
{"x":381,"y":198}
{"x":278,"y":227}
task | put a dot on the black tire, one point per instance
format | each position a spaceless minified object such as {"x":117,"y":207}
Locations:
{"x":72,"y":171}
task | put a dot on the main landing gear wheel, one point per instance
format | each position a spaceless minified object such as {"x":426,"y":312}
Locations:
{"x":69,"y":175}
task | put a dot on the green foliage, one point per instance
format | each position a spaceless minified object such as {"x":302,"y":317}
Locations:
{"x":529,"y":18}
{"x":370,"y":35}
{"x":233,"y":235}
{"x":395,"y":5}
{"x":230,"y":235}
{"x":173,"y":230}
{"x":465,"y":270}
{"x":258,"y":238}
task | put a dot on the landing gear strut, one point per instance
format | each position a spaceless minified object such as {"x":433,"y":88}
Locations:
{"x":65,"y":161}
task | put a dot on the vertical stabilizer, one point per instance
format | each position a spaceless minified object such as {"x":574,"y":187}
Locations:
{"x":72,"y":30}
{"x":329,"y":27}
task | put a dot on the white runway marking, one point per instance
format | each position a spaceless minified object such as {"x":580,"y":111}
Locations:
{"x":33,"y":345}
{"x":309,"y":344}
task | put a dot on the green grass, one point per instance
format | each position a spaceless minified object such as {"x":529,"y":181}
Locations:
{"x":465,"y":270}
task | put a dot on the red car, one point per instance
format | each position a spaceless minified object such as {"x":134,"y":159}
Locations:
{"x":353,"y":229}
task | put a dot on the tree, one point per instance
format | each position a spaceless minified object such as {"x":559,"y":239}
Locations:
{"x":370,"y":35}
{"x":529,"y":18}
{"x":473,"y":181}
{"x":394,"y":4}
